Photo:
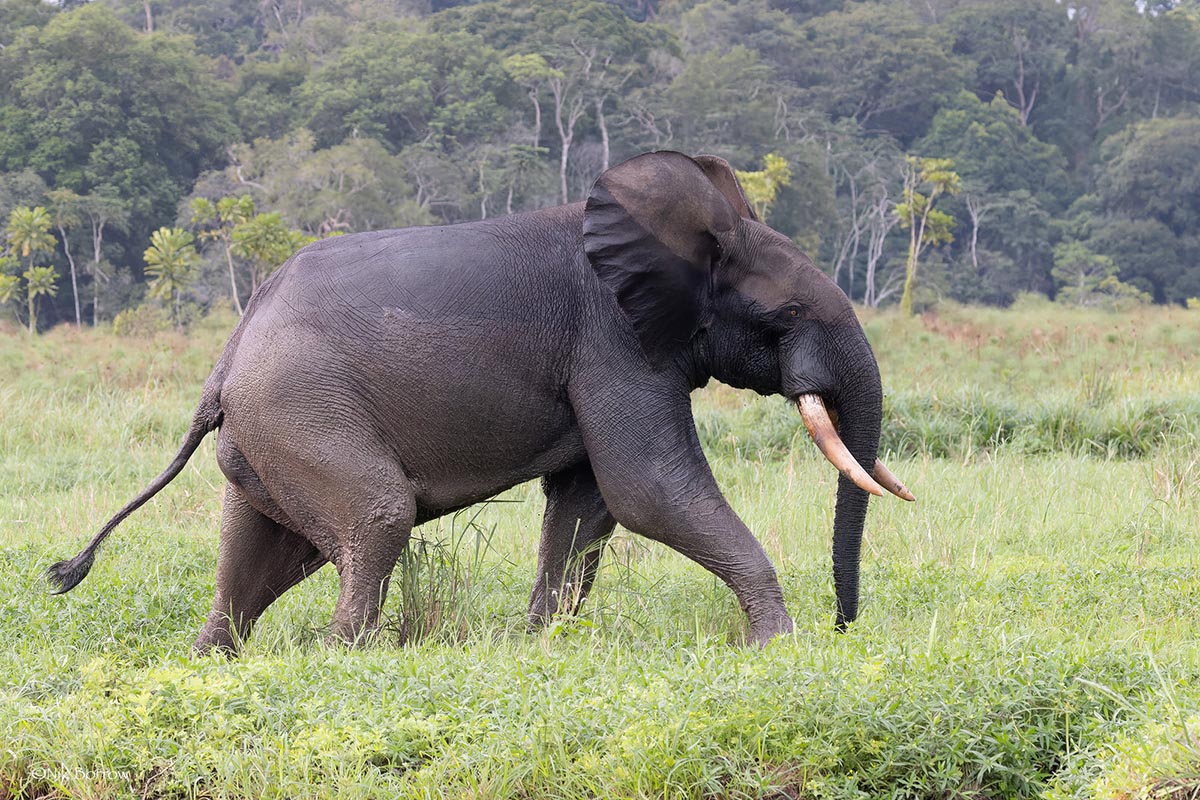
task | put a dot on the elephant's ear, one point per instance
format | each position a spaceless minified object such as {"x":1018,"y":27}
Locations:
{"x":721,"y":173}
{"x":650,"y":232}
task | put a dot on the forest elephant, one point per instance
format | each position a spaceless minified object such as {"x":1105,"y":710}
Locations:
{"x":379,"y":380}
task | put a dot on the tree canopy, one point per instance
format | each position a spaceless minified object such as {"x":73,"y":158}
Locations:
{"x":1074,"y":130}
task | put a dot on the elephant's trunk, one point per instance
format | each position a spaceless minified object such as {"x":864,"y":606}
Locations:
{"x":860,"y":407}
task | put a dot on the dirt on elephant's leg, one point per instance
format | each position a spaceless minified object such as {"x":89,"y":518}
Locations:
{"x":259,"y":560}
{"x":574,"y":530}
{"x":378,"y":518}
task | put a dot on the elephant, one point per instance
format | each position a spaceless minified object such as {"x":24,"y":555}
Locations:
{"x":382,"y":379}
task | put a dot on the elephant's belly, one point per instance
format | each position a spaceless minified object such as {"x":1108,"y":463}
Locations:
{"x":469,"y":463}
{"x":479,"y":471}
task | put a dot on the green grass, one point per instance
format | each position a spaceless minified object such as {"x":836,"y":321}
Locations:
{"x":1029,"y":627}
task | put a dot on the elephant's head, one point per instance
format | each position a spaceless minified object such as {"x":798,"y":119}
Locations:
{"x":711,"y":290}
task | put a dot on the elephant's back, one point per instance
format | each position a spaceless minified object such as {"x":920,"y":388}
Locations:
{"x":524,"y":265}
{"x":452,"y":344}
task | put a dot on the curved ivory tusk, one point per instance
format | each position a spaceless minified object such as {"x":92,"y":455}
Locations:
{"x":889,"y":481}
{"x":820,"y":427}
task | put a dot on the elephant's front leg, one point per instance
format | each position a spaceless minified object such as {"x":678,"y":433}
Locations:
{"x":576,"y":526}
{"x":656,"y":482}
{"x":691,"y":517}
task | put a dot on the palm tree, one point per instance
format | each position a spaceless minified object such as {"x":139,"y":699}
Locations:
{"x":170,"y":261}
{"x":39,"y":281}
{"x":28,"y":235}
{"x":28,"y":232}
{"x":9,"y":287}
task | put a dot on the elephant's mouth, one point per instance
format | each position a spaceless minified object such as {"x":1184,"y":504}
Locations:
{"x":822,"y":427}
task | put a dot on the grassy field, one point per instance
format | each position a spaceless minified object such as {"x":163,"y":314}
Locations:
{"x":1030,"y":627}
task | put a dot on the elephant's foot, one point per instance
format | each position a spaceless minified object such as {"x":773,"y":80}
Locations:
{"x":545,"y":603}
{"x":352,"y":638}
{"x":767,"y":625}
{"x":216,"y":636}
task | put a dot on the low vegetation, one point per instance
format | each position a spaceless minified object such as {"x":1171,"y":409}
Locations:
{"x":1029,"y":627}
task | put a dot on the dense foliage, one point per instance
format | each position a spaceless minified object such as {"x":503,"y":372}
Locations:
{"x":1029,"y":627}
{"x":1073,"y":130}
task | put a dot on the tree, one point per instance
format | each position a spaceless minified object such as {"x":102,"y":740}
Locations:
{"x":404,"y":87}
{"x":530,"y":72}
{"x":876,"y":63}
{"x":170,"y":262}
{"x":592,"y":53}
{"x":38,"y":281}
{"x":94,"y":106}
{"x":1018,"y":47}
{"x":1107,"y":74}
{"x":1087,"y":278}
{"x":28,"y":232}
{"x":10,"y":284}
{"x":993,"y":150}
{"x":29,"y":235}
{"x":722,"y":101}
{"x":761,"y":186}
{"x":65,"y":207}
{"x":102,"y":211}
{"x":266,"y":242}
{"x":1016,"y":182}
{"x":22,"y":188}
{"x":522,"y":171}
{"x":16,"y":15}
{"x":926,"y":225}
{"x":1173,"y":60}
{"x":217,"y":222}
{"x":595,"y":51}
{"x":1147,"y":193}
{"x":354,"y":186}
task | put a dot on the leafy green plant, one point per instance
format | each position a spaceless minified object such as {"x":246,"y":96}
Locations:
{"x":171,"y":262}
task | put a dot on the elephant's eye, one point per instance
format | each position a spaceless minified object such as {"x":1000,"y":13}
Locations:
{"x":786,"y":317}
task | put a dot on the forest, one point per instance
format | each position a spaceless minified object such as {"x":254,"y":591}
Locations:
{"x":160,"y":158}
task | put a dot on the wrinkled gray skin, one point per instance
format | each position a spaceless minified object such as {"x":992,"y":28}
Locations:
{"x":379,"y":380}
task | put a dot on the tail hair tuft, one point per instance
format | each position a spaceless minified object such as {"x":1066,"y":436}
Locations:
{"x":65,"y":575}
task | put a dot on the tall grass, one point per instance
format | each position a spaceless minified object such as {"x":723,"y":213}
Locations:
{"x":1029,"y":627}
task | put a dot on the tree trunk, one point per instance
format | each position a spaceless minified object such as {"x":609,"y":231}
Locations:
{"x":149,"y":16}
{"x":603,"y":132}
{"x":879,"y":227}
{"x":910,"y":267}
{"x":537,"y":117}
{"x":74,"y":281}
{"x":97,"y":247}
{"x":566,"y":130}
{"x":237,"y":303}
{"x":975,"y":210}
{"x":32,"y":314}
{"x":916,"y":237}
{"x":483,"y":195}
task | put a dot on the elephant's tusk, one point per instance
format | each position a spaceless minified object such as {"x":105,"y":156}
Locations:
{"x":820,"y":427}
{"x":889,"y":481}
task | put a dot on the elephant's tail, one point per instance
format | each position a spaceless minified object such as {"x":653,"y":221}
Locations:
{"x":66,"y":574}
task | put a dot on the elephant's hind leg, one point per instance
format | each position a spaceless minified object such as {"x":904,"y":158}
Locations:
{"x":374,"y":537}
{"x":259,"y":560}
{"x":574,"y":530}
{"x":359,"y":507}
